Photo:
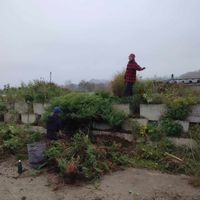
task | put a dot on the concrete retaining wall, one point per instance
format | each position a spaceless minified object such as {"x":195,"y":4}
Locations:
{"x":152,"y":112}
{"x":125,"y":136}
{"x":194,"y":116}
{"x":101,"y":126}
{"x":39,"y":108}
{"x":10,"y":117}
{"x":127,"y":125}
{"x":21,"y":107}
{"x":184,"y":124}
{"x":28,"y":118}
{"x":122,"y":107}
{"x":183,"y":142}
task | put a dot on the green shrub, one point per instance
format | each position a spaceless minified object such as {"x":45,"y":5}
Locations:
{"x":13,"y":139}
{"x":178,"y":108}
{"x":114,"y":154}
{"x":139,"y":130}
{"x":136,"y":129}
{"x":149,"y":152}
{"x":153,"y":98}
{"x":87,"y":160}
{"x":171,"y":128}
{"x":38,"y":91}
{"x":2,"y":107}
{"x":117,"y":84}
{"x":82,"y":150}
{"x":34,"y":136}
{"x":55,"y":150}
{"x":154,"y":132}
{"x":80,"y":109}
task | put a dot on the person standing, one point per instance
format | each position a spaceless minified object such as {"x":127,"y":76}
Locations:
{"x":130,"y":74}
{"x":54,"y":124}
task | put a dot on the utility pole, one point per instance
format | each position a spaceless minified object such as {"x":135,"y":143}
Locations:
{"x":50,"y":76}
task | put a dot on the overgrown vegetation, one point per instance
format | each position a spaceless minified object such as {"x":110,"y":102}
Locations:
{"x":82,"y":159}
{"x":117,"y":84}
{"x":13,"y":139}
{"x":37,"y":91}
{"x":88,"y":158}
{"x":79,"y":110}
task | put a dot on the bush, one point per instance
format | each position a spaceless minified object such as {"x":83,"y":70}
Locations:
{"x":154,"y":132}
{"x":2,"y":107}
{"x":14,"y":139}
{"x":37,"y":91}
{"x":42,"y":91}
{"x":171,"y":128}
{"x":149,"y":152}
{"x":80,"y":109}
{"x":178,"y":109}
{"x":117,"y":84}
{"x":87,"y":160}
{"x":136,"y":129}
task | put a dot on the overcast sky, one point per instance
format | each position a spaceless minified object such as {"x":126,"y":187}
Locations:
{"x":84,"y":39}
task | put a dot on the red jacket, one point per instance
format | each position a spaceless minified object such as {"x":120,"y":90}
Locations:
{"x":130,"y":74}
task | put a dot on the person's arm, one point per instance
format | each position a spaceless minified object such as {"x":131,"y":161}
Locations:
{"x":135,"y":66}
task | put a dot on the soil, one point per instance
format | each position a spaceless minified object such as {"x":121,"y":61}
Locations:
{"x":129,"y":184}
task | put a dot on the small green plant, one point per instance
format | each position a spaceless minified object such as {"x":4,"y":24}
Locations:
{"x":153,"y":98}
{"x":34,"y":136}
{"x":14,"y":138}
{"x":154,"y":132}
{"x":34,"y":172}
{"x":115,"y":118}
{"x":55,"y":150}
{"x":171,"y":128}
{"x":179,"y":107}
{"x":139,"y":130}
{"x":149,"y":152}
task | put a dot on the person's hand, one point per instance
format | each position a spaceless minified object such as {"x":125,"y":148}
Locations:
{"x":143,"y":68}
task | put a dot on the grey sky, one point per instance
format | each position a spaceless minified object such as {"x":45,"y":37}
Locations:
{"x":85,"y":39}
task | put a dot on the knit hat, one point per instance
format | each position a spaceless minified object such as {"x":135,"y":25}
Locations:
{"x":132,"y":55}
{"x":56,"y":109}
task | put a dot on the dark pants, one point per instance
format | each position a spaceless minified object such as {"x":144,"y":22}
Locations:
{"x":128,"y":89}
{"x":51,"y":135}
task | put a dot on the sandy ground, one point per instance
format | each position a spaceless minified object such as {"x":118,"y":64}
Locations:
{"x":130,"y":184}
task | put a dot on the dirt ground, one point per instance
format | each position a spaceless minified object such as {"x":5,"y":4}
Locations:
{"x":130,"y":184}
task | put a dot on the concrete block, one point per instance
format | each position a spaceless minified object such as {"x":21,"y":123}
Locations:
{"x":28,"y":118}
{"x":183,"y":142}
{"x":33,"y":128}
{"x":184,"y":124}
{"x":195,"y":110}
{"x":152,"y":112}
{"x":38,"y":129}
{"x":21,"y":107}
{"x":127,"y":125}
{"x":193,"y":119}
{"x":11,"y":117}
{"x":101,"y":126}
{"x":39,"y":108}
{"x":122,"y":107}
{"x":194,"y":116}
{"x":125,"y":136}
{"x":10,"y":106}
